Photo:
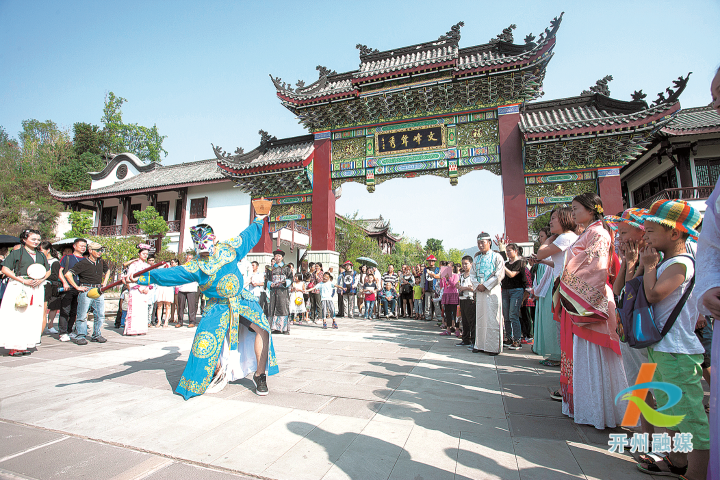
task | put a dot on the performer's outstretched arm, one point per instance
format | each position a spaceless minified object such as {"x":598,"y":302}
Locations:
{"x":170,"y":277}
{"x":247,"y":239}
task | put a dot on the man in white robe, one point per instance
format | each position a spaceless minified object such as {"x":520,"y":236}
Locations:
{"x":488,"y":271}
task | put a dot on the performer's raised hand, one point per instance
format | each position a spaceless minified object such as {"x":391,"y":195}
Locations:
{"x":501,"y":241}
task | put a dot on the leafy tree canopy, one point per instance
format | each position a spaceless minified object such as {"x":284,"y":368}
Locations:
{"x":150,"y":222}
{"x":144,"y":142}
{"x":81,"y":223}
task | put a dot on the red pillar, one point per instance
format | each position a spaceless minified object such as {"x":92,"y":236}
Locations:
{"x":183,"y":214}
{"x":610,"y":190}
{"x":323,"y":206}
{"x":126,"y":215}
{"x":264,"y":245}
{"x":513,"y":175}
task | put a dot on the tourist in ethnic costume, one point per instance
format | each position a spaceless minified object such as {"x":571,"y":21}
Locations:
{"x":136,"y":320}
{"x":545,"y":333}
{"x":489,"y":270}
{"x":234,"y":329}
{"x":279,"y":287}
{"x":591,"y":373}
{"x":22,"y":325}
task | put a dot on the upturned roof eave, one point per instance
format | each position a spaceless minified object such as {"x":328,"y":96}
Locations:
{"x":555,"y":131}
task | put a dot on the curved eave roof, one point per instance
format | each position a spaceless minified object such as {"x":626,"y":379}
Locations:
{"x":138,"y":164}
{"x":694,"y":121}
{"x":581,"y":120}
{"x":488,"y":61}
{"x":277,"y":156}
{"x":424,"y":57}
{"x":161,"y":178}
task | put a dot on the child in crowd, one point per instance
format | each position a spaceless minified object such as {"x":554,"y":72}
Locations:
{"x":679,"y":354}
{"x":417,"y":299}
{"x":450,"y":299}
{"x":370,"y":288}
{"x":327,"y":291}
{"x":630,"y":230}
{"x":297,"y":301}
{"x":124,"y":298}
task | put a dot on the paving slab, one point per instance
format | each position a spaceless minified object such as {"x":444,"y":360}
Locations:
{"x":386,"y":399}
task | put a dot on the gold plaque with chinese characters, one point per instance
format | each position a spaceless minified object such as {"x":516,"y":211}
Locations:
{"x":415,"y":139}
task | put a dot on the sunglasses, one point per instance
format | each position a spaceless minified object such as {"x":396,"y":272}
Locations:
{"x":101,"y":249}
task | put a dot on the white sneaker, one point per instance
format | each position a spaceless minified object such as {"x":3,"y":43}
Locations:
{"x":52,"y":330}
{"x":65,"y":337}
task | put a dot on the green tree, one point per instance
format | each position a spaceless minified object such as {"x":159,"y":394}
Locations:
{"x":73,"y":175}
{"x":81,"y":223}
{"x":455,"y":256}
{"x":88,"y":138}
{"x":118,"y":250}
{"x":351,"y":241}
{"x":145,"y":142}
{"x":150,"y":222}
{"x":540,"y":222}
{"x":434,"y":246}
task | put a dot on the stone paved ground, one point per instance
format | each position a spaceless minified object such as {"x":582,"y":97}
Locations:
{"x":373,"y":400}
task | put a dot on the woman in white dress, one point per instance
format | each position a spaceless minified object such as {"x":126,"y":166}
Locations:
{"x":136,"y":321}
{"x":23,"y":304}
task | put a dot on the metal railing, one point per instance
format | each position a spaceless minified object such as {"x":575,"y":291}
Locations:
{"x":684,"y":193}
{"x":133,"y":229}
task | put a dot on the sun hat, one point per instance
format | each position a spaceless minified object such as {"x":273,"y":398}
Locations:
{"x":430,"y":257}
{"x":635,"y":217}
{"x":675,"y":214}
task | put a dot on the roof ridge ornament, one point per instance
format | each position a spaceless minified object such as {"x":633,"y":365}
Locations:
{"x":454,"y":34}
{"x":265,"y":139}
{"x":365,"y":50}
{"x":601,"y":87}
{"x":221,"y":154}
{"x":506,"y":35}
{"x":638,"y":96}
{"x":530,"y":39}
{"x":673,"y":95}
{"x":552,"y":30}
{"x":324,"y":71}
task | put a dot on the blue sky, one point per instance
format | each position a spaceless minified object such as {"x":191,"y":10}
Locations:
{"x":199,"y":70}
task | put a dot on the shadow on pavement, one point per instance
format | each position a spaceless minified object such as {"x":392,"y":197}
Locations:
{"x":169,"y":363}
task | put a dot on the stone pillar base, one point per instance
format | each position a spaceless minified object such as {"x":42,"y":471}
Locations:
{"x":330,"y":263}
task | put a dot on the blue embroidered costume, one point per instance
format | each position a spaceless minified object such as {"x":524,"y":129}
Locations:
{"x":221,"y":281}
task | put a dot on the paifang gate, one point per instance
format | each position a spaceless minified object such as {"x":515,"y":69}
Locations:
{"x":438,"y":109}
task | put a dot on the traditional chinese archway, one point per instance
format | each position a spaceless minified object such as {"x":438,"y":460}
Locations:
{"x":437,"y":109}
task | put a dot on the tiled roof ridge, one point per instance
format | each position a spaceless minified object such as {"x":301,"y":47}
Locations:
{"x":705,"y":108}
{"x":569,"y":118}
{"x":443,"y":52}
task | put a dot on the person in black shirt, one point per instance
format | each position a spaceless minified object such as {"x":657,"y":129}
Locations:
{"x":90,"y":272}
{"x":513,"y":288}
{"x":69,"y":298}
